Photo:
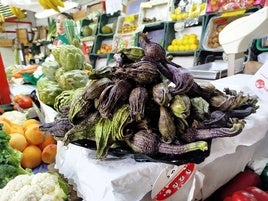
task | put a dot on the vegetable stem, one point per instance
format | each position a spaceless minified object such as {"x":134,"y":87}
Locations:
{"x":193,"y":134}
{"x":181,"y":149}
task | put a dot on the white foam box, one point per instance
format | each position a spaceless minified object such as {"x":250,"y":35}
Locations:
{"x":125,"y":27}
{"x":215,"y":25}
{"x":158,"y":9}
{"x":121,"y":41}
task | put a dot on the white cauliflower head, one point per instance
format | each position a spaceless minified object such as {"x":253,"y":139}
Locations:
{"x":49,"y":184}
{"x":50,"y":198}
{"x":45,"y":181}
{"x":38,"y":187}
{"x":31,"y":193}
{"x":14,"y":185}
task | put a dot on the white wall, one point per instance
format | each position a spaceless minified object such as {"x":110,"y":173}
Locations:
{"x":7,"y":56}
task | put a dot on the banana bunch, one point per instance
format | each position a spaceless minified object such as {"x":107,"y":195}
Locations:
{"x":17,"y":12}
{"x":51,"y":4}
{"x":2,"y":18}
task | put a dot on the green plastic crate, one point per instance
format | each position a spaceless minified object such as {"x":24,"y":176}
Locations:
{"x":99,"y":41}
{"x":91,"y":24}
{"x":156,"y":33}
{"x":260,"y":46}
{"x":171,"y":34}
{"x":110,"y":20}
{"x":98,"y":61}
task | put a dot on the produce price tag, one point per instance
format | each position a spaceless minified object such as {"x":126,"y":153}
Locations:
{"x":174,"y":181}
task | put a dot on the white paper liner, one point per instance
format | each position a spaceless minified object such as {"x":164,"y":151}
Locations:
{"x":113,"y":179}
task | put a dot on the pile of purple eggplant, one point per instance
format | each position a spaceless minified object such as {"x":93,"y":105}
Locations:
{"x":150,"y":104}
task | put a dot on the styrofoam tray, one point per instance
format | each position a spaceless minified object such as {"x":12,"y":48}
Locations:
{"x":121,"y":22}
{"x":215,"y":22}
{"x":211,"y":71}
{"x":123,"y":41}
{"x":154,"y":9}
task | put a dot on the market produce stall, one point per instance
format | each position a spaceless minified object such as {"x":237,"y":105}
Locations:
{"x":119,"y":127}
{"x":122,"y":175}
{"x":241,"y":139}
{"x":121,"y":178}
{"x":109,"y":111}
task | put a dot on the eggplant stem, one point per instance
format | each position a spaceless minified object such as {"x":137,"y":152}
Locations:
{"x":184,"y":148}
{"x":193,"y":134}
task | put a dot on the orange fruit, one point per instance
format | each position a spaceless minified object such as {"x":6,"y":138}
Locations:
{"x":31,"y":157}
{"x":29,"y":122}
{"x":49,"y":153}
{"x":6,"y":126}
{"x":16,"y":128}
{"x":18,"y":141}
{"x":33,"y":135}
{"x":48,"y":139}
{"x":4,"y":119}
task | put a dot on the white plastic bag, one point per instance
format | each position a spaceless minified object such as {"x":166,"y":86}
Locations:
{"x":259,"y":82}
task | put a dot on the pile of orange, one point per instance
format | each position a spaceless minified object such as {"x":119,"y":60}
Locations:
{"x":36,"y":146}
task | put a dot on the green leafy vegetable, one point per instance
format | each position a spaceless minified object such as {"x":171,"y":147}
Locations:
{"x":48,"y":90}
{"x":71,"y":32}
{"x":52,"y":29}
{"x":69,"y":57}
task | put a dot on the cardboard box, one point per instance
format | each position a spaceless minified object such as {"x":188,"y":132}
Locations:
{"x":96,"y":7}
{"x":79,"y":15}
{"x":43,"y":33}
{"x":6,"y":42}
{"x":22,"y":36}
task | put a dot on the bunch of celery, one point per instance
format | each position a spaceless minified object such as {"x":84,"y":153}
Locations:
{"x":71,"y":32}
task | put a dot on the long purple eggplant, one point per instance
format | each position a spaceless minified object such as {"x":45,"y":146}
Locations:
{"x":194,"y":134}
{"x":149,"y":143}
